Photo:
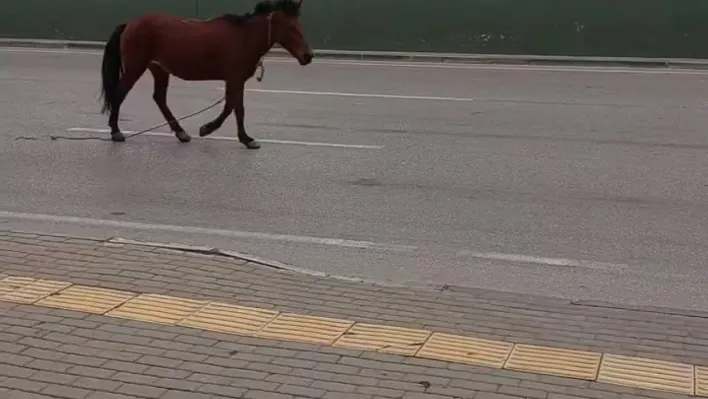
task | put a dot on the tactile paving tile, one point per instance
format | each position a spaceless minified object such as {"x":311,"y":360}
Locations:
{"x":554,"y":361}
{"x":154,"y":308}
{"x":701,"y":381}
{"x":647,"y":373}
{"x":460,"y":349}
{"x":227,"y":318}
{"x":395,"y":340}
{"x":86,"y":299}
{"x":10,"y":284}
{"x":33,"y":292}
{"x":310,"y":329}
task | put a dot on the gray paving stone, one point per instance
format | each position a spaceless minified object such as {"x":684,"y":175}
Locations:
{"x":340,"y":395}
{"x":108,"y":395}
{"x":23,"y":384}
{"x":301,"y":391}
{"x":487,"y":395}
{"x":134,"y":378}
{"x":335,"y":386}
{"x":64,"y":391}
{"x":227,"y":391}
{"x":26,"y":395}
{"x":52,"y":377}
{"x":143,"y":391}
{"x":96,"y":384}
{"x":529,"y":393}
{"x":256,"y":394}
{"x":8,"y":370}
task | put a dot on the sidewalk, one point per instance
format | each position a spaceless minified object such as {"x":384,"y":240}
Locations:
{"x":190,"y":341}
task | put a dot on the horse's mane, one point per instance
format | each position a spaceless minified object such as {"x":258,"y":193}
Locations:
{"x":288,"y":7}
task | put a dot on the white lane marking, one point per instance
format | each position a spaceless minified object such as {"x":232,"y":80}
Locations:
{"x":289,"y":238}
{"x":433,"y":65}
{"x":271,"y":141}
{"x":362,"y":95}
{"x":545,"y":261}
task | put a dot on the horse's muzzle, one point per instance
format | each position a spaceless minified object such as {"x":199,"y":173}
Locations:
{"x":307,"y":58}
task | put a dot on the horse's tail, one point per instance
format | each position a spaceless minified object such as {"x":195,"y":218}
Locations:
{"x":112,"y":69}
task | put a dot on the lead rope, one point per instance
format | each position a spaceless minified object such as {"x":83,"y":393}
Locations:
{"x":270,"y":44}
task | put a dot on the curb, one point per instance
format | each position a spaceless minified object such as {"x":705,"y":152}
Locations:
{"x":501,"y":59}
{"x":450,"y":288}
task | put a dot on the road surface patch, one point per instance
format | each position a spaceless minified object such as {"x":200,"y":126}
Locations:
{"x":628,"y":371}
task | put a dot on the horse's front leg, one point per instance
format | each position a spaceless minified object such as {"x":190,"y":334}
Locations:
{"x":240,"y":114}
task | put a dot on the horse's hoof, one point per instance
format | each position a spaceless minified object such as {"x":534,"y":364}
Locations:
{"x":205,"y":130}
{"x":253,"y":144}
{"x":183,"y":137}
{"x":118,"y":137}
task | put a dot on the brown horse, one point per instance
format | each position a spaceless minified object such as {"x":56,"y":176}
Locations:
{"x":228,"y":48}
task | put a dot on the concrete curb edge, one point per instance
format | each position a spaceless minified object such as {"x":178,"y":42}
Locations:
{"x":431,"y":287}
{"x":503,"y":59}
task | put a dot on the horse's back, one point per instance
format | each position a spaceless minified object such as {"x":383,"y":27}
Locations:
{"x":181,"y":46}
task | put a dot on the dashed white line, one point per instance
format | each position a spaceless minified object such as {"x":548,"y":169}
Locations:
{"x":563,"y":262}
{"x":271,"y":141}
{"x":363,"y":95}
{"x":337,"y":242}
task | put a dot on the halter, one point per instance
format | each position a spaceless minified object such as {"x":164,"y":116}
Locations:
{"x":270,"y":44}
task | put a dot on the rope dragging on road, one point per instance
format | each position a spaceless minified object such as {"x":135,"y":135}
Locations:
{"x":259,"y":78}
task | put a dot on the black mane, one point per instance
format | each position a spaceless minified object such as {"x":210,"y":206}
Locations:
{"x":288,"y":7}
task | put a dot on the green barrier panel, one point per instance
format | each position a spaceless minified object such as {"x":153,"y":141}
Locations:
{"x":79,"y":19}
{"x":626,"y":28}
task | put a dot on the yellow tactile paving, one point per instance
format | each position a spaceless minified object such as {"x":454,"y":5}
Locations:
{"x":33,"y":292}
{"x":394,"y":340}
{"x":460,"y":349}
{"x":647,"y":373}
{"x":310,"y":329}
{"x":86,"y":299}
{"x":157,"y":309}
{"x":701,"y":381}
{"x":10,"y":284}
{"x":226,"y":318}
{"x":230,"y":318}
{"x":554,"y":361}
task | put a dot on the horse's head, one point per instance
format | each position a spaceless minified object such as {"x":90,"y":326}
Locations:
{"x":286,"y":30}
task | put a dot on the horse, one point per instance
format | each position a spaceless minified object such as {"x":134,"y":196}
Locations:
{"x":229,"y":48}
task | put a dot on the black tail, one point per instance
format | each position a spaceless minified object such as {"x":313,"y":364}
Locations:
{"x":112,"y":69}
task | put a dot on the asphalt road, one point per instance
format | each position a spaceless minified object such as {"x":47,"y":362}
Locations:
{"x":578,"y":183}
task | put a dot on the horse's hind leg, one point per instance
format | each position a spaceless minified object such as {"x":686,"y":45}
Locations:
{"x":162,"y":80}
{"x":133,"y":72}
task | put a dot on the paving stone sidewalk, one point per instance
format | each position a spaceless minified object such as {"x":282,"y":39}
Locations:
{"x":62,"y":354}
{"x":48,"y":353}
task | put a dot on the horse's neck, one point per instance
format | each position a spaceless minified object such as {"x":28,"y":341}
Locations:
{"x":255,"y":40}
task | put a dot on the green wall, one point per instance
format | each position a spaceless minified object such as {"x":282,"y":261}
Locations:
{"x":628,"y":28}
